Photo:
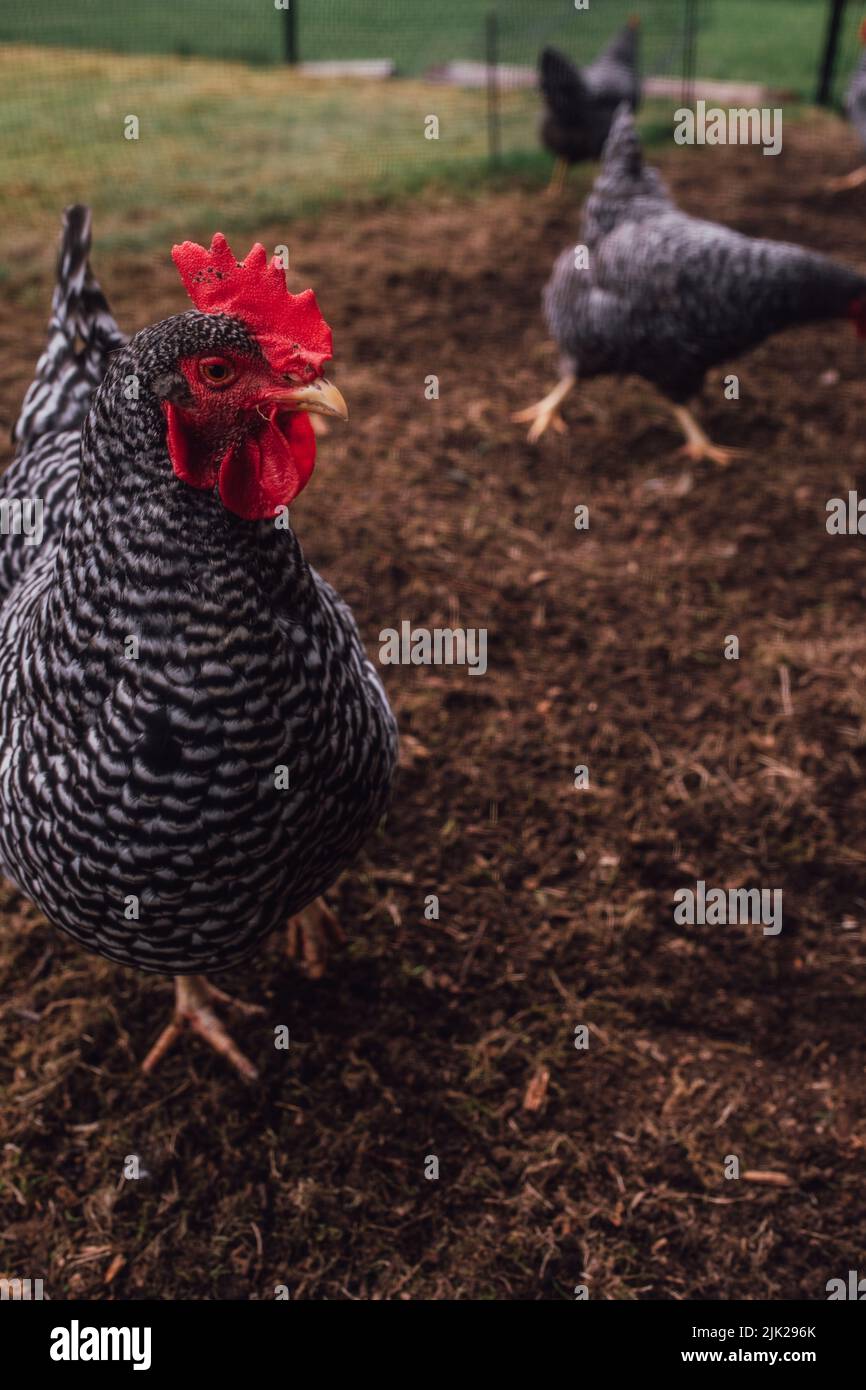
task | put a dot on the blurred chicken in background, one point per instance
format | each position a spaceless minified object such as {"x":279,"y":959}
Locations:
{"x":855,"y":110}
{"x":654,"y":292}
{"x":581,"y":102}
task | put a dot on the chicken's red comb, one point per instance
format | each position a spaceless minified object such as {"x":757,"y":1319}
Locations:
{"x":288,"y":327}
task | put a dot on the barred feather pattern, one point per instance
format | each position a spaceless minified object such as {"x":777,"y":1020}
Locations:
{"x":46,"y":470}
{"x":666,"y":296}
{"x":140,"y":805}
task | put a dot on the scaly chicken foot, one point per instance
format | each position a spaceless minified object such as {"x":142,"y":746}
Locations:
{"x":545,"y":413}
{"x":698,"y":445}
{"x":194,"y":995}
{"x":852,"y":180}
{"x":311,"y":934}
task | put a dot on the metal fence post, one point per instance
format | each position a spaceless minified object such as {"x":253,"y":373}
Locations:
{"x":831,"y":43}
{"x":491,"y":28}
{"x":690,"y":39}
{"x":290,"y":31}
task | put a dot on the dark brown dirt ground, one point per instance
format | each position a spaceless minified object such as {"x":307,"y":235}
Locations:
{"x":605,"y":648}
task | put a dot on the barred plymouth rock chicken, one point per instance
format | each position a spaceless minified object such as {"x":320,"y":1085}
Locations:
{"x":855,"y":110}
{"x":582,"y":102}
{"x":666,"y":296}
{"x":192,"y":741}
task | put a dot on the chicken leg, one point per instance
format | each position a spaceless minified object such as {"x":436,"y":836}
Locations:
{"x":193,"y":1009}
{"x":852,"y":180}
{"x":698,"y":446}
{"x":546,"y":411}
{"x":311,"y":934}
{"x":557,"y":178}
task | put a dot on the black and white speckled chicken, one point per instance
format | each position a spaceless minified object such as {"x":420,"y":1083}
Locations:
{"x":192,"y":741}
{"x":580,"y":103}
{"x":653,"y":292}
{"x":855,"y":110}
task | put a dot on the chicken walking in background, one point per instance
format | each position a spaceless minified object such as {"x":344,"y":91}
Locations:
{"x":666,"y":296}
{"x":855,"y":110}
{"x":581,"y":102}
{"x":192,"y":741}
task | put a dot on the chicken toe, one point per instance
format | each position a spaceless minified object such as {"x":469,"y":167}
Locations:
{"x":545,"y":413}
{"x":194,"y":997}
{"x":698,"y":445}
{"x":852,"y":180}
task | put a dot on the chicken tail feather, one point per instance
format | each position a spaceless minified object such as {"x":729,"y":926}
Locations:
{"x":82,"y":333}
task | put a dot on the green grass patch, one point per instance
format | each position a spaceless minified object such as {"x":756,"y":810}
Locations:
{"x":235,"y":148}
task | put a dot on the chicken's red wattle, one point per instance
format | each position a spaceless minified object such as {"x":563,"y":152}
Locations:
{"x":264,"y":471}
{"x":269,"y":468}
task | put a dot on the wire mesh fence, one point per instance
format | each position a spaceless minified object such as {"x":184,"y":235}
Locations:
{"x":172,"y":117}
{"x":159,"y":112}
{"x":411,"y":36}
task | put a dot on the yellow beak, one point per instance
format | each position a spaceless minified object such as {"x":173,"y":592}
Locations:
{"x":316,"y":398}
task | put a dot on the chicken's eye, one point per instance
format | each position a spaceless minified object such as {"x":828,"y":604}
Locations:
{"x":215,"y":371}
